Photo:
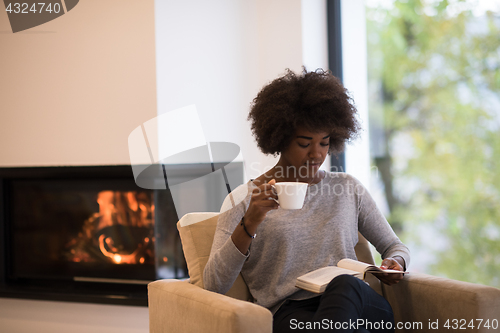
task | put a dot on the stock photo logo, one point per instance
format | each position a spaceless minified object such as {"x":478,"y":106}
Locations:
{"x":26,"y":14}
{"x":160,"y":145}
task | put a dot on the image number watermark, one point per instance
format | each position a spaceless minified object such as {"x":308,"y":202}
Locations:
{"x":463,"y":324}
{"x":36,"y":8}
{"x":28,"y":13}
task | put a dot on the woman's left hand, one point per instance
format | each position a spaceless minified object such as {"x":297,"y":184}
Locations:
{"x":390,"y":278}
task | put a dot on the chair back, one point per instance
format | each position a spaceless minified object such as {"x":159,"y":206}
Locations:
{"x":197,"y":232}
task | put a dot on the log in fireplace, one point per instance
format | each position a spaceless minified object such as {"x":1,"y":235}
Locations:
{"x":89,"y":234}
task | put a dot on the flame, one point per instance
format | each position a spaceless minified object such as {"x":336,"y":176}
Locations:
{"x":132,"y":211}
{"x":119,"y":258}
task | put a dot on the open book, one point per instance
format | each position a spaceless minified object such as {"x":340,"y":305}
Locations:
{"x":317,"y":280}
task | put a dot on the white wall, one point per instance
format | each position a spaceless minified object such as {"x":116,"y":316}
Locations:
{"x":72,"y":89}
{"x":226,"y":52}
{"x":355,"y":77}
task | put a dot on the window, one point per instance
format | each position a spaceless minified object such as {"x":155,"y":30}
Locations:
{"x":434,"y":106}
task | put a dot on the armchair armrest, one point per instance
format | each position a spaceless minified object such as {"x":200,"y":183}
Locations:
{"x":426,"y":298}
{"x":178,"y":306}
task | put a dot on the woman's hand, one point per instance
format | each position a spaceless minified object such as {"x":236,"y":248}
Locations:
{"x":263,"y":200}
{"x":390,"y":278}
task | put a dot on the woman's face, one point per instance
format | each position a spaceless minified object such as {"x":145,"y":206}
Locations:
{"x":305,"y":154}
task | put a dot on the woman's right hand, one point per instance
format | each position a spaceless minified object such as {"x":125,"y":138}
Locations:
{"x":263,"y":200}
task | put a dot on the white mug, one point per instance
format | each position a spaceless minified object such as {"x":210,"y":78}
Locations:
{"x":291,"y":195}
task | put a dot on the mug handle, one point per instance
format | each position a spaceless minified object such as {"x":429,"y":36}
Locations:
{"x":274,"y":188}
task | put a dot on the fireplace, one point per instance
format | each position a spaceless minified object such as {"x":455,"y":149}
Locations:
{"x":87,"y":234}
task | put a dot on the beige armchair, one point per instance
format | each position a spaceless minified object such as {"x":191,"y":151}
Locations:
{"x":420,"y":302}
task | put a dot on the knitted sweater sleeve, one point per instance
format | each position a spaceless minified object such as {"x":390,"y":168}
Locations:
{"x":374,"y":227}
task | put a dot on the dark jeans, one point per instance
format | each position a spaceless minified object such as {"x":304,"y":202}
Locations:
{"x":347,"y":305}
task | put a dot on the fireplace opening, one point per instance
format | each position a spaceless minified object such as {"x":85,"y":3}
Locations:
{"x":85,"y":234}
{"x":76,"y":229}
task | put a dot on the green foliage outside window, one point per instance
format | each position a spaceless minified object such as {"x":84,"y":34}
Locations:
{"x":434,"y":83}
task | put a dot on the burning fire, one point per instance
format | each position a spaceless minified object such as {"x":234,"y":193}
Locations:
{"x":121,"y":232}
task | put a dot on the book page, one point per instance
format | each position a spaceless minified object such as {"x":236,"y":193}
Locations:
{"x":354,"y":265}
{"x":364,"y":267}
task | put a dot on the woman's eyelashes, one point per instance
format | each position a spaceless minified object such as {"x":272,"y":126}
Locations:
{"x":307,"y":145}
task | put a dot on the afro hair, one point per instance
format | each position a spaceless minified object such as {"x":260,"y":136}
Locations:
{"x":316,"y":101}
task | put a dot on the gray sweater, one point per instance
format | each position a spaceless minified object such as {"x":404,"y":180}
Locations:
{"x":290,"y":243}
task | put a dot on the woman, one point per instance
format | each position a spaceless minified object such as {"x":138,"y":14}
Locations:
{"x":303,"y":118}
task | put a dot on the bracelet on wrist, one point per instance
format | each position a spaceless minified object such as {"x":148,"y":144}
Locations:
{"x":245,"y":228}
